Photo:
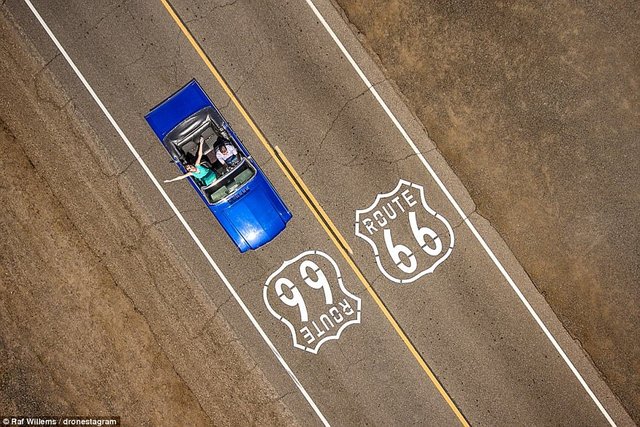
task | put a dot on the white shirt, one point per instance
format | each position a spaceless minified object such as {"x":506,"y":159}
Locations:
{"x":231,"y":151}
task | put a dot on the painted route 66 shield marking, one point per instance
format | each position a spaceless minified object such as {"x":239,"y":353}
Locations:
{"x":308,"y":295}
{"x":409,"y":239}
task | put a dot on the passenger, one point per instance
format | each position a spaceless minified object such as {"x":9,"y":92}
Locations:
{"x":227,"y":154}
{"x":204,"y":174}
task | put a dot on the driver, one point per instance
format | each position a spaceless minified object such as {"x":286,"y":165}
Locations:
{"x":227,"y":154}
{"x":203,"y":173}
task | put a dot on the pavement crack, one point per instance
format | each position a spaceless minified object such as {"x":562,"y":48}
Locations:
{"x":351,"y":161}
{"x":344,"y":106}
{"x":353,"y":365}
{"x":251,"y":71}
{"x":463,"y":220}
{"x":169,"y":69}
{"x":396,"y":161}
{"x":46,"y":65}
{"x":209,"y":12}
{"x":154,"y":224}
{"x":267,"y":161}
{"x":133,"y":161}
{"x":106,"y":15}
{"x":226,"y":104}
{"x":249,"y":371}
{"x":373,"y":282}
{"x":384,"y":79}
{"x":138,"y":59}
{"x":126,"y":168}
{"x":328,"y":131}
{"x":174,"y":60}
{"x":282,"y":396}
{"x":216,"y":312}
{"x":122,"y":195}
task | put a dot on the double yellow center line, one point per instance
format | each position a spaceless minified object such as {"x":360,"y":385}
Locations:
{"x":313,"y":205}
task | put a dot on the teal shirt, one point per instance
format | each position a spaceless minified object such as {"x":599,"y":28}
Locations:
{"x":206,"y":175}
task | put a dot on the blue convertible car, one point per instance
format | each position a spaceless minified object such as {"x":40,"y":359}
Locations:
{"x":241,"y":198}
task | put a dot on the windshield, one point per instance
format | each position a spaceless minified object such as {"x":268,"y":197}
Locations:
{"x":231,"y":182}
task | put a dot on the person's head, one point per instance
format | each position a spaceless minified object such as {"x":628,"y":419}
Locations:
{"x":190,"y":168}
{"x":223,"y":149}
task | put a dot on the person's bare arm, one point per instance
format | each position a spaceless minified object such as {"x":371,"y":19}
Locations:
{"x":177,"y":178}
{"x":200,"y":151}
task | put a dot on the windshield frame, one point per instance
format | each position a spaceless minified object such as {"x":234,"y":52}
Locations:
{"x":233,"y":173}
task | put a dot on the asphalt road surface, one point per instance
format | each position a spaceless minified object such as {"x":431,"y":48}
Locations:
{"x":537,"y":111}
{"x":97,"y":315}
{"x":457,"y":315}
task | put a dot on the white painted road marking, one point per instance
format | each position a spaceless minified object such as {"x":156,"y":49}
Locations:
{"x":396,"y":211}
{"x":308,"y":292}
{"x":455,"y":204}
{"x":178,"y":214}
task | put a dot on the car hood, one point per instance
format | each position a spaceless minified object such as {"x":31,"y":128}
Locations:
{"x":254,"y":218}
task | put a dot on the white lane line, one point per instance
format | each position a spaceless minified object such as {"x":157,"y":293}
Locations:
{"x":460,"y":211}
{"x":178,"y":214}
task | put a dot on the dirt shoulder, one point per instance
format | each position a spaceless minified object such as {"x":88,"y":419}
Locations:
{"x":97,"y":317}
{"x":536,"y":109}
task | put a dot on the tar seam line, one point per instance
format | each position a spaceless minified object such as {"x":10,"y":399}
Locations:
{"x":455,"y":204}
{"x":178,"y":214}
